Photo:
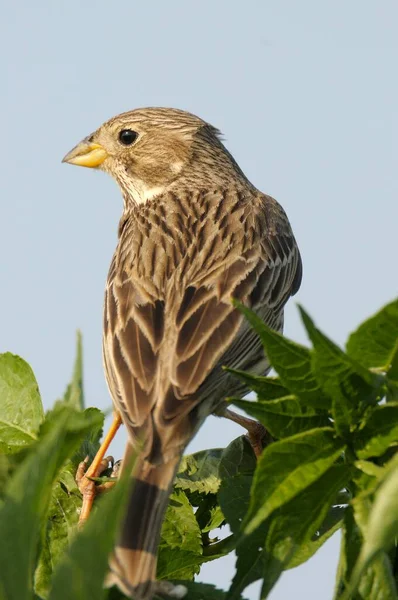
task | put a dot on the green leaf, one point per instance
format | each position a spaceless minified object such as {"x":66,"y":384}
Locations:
{"x":74,"y":393}
{"x":176,"y":564}
{"x":307,"y":549}
{"x":201,"y":591}
{"x":266,"y":388}
{"x":291,"y":535}
{"x":379,"y":432}
{"x":27,"y":499}
{"x":392,"y":386}
{"x":375,"y":582}
{"x":21,"y":407}
{"x":291,"y":361}
{"x":378,"y":581}
{"x":209,"y":514}
{"x":351,"y":387}
{"x":293,"y":527}
{"x":236,"y":471}
{"x":349,"y":550}
{"x":91,"y":442}
{"x":63,"y":516}
{"x":393,"y":372}
{"x":375,"y":343}
{"x":369,"y":468}
{"x":249,"y":563}
{"x":199,"y":472}
{"x":381,"y":528}
{"x":283,"y":417}
{"x":286,"y":468}
{"x":65,"y":501}
{"x":180,"y":533}
{"x":216,"y":519}
{"x":82,"y":570}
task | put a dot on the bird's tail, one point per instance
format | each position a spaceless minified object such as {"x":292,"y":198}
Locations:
{"x":133,"y":562}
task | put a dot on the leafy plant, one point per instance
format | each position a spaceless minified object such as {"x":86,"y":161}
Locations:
{"x":333,"y":464}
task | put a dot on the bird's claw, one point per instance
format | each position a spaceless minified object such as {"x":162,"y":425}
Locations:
{"x":258,"y":437}
{"x":83,"y":476}
{"x":87,"y":486}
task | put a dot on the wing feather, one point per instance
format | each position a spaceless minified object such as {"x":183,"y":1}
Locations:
{"x":169,"y":322}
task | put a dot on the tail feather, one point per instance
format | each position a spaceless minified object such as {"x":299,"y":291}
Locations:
{"x":133,"y":562}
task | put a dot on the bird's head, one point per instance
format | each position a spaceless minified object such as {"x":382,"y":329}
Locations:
{"x":146,"y":150}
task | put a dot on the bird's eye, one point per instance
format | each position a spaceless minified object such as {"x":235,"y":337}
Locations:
{"x":127,"y":137}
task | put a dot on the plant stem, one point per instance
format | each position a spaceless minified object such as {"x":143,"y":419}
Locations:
{"x":222,"y":547}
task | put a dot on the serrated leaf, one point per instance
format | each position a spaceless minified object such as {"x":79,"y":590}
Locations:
{"x":65,"y":501}
{"x":199,"y":472}
{"x":381,"y":530}
{"x":351,"y":387}
{"x":26,"y":502}
{"x":91,"y":441}
{"x":369,"y":468}
{"x":74,"y":393}
{"x":180,"y":531}
{"x":283,"y":417}
{"x":392,"y":386}
{"x":375,"y":582}
{"x":82,"y":570}
{"x":177,"y":564}
{"x":379,"y":432}
{"x":208,"y":514}
{"x":249,"y":563}
{"x":349,"y":550}
{"x":287,"y":538}
{"x":375,"y":343}
{"x":286,"y":468}
{"x":378,"y":580}
{"x":21,"y":406}
{"x":266,"y":388}
{"x":62,"y":519}
{"x":236,"y":471}
{"x":216,"y":519}
{"x":291,"y":361}
{"x":308,"y":549}
{"x":296,"y":523}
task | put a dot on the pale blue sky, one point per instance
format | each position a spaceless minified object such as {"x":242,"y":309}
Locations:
{"x":306,"y":94}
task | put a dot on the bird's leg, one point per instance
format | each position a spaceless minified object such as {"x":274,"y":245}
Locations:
{"x":258,"y":436}
{"x":86,"y":486}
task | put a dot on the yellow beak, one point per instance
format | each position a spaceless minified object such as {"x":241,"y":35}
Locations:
{"x":86,"y":154}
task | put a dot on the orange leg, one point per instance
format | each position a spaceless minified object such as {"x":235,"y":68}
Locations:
{"x":99,"y":464}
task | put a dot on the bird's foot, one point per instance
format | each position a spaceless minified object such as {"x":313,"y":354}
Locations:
{"x":114,"y":474}
{"x":257,"y":435}
{"x":88,"y":487}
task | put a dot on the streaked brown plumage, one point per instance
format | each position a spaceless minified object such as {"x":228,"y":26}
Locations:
{"x":194,"y":233}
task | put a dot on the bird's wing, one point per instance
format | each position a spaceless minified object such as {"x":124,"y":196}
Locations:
{"x":266,"y":273}
{"x":169,"y":326}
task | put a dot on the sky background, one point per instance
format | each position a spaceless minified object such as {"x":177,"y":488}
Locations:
{"x":306,"y":94}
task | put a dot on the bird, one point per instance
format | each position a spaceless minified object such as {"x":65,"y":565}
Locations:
{"x":194,"y":234}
